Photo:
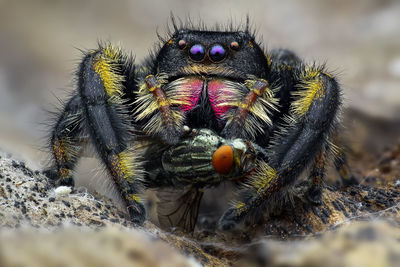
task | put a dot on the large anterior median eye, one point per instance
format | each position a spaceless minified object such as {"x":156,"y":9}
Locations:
{"x":197,"y":52}
{"x":217,"y":53}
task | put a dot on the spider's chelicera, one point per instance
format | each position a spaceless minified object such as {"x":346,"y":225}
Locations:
{"x":207,"y":107}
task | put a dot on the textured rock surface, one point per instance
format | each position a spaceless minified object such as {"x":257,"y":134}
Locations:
{"x":42,"y":228}
{"x":30,"y":204}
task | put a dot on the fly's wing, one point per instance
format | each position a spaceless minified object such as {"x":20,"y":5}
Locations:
{"x":177,"y":209}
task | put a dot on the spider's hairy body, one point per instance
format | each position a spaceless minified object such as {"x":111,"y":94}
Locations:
{"x":208,"y":107}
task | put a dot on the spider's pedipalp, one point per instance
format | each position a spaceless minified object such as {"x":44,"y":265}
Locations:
{"x":252,"y":112}
{"x":153,"y":103}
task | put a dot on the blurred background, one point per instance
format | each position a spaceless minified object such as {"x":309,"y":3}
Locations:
{"x":40,"y":40}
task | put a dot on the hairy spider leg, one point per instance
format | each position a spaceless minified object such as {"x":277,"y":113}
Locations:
{"x":102,"y":75}
{"x":313,"y":113}
{"x":66,"y":140}
{"x":343,"y":168}
{"x":317,"y":177}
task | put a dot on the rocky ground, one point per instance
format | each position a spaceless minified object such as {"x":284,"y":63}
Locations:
{"x":44,"y":226}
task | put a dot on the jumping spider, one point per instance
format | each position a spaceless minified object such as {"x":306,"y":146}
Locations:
{"x":207,"y":107}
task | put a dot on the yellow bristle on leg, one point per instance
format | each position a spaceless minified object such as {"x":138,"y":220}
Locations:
{"x":312,"y":90}
{"x":263,"y":177}
{"x":135,"y":197}
{"x":105,"y":66}
{"x":126,"y":165}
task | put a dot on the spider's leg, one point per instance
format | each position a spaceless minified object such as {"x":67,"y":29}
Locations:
{"x":314,"y":112}
{"x":343,"y":168}
{"x":316,"y":178}
{"x":102,"y":75}
{"x":66,"y":140}
{"x":284,"y":57}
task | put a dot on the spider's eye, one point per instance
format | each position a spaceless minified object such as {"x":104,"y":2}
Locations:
{"x":222,"y":159}
{"x":235,"y":46}
{"x":197,"y":52}
{"x":217,"y":53}
{"x":182,"y":44}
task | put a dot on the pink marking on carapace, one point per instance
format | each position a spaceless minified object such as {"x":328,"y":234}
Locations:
{"x":191,"y":87}
{"x":218,"y":96}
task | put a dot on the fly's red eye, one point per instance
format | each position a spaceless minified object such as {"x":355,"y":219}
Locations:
{"x":222,"y":159}
{"x":182,"y":44}
{"x":235,"y":45}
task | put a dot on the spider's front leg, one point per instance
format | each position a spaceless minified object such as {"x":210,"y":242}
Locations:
{"x":103,"y":76}
{"x":101,"y":79}
{"x":314,"y":110}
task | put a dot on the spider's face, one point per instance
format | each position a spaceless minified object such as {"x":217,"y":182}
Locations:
{"x":206,"y":72}
{"x":229,"y":55}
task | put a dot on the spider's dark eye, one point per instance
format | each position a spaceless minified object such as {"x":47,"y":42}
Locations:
{"x":182,"y":44}
{"x":235,"y":45}
{"x":217,"y":53}
{"x":197,"y":52}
